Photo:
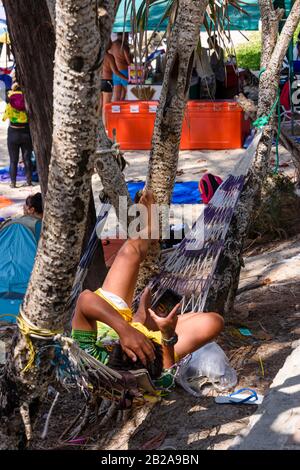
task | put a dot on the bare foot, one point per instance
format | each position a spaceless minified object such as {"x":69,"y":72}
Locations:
{"x":142,"y":315}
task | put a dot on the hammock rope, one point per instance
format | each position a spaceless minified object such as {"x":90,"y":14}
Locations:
{"x":189,"y":269}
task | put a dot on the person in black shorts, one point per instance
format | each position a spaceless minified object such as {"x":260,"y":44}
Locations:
{"x":107,"y":86}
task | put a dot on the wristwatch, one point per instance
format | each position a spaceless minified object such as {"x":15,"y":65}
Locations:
{"x":170,"y":341}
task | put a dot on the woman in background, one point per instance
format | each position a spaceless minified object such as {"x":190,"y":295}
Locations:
{"x":18,"y":134}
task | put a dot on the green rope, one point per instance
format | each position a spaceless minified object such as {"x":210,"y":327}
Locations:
{"x":275,"y":171}
{"x":262,"y":71}
{"x":264,"y":120}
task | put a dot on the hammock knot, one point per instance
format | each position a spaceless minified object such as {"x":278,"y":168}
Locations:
{"x":261,"y":122}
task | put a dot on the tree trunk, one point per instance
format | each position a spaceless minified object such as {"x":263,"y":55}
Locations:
{"x":113,"y":181}
{"x":35,"y":64}
{"x":170,"y":112}
{"x":52,"y":10}
{"x":76,"y":114}
{"x":33,"y":44}
{"x":114,"y":184}
{"x":225,"y":283}
{"x":97,"y":270}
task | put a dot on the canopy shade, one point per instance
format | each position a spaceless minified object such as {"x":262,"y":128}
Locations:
{"x":237,"y":20}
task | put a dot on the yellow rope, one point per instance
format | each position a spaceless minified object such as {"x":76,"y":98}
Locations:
{"x":28,"y":330}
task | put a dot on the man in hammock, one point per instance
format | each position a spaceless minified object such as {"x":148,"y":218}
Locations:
{"x":138,"y":332}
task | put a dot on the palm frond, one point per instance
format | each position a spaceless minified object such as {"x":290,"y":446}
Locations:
{"x":216,"y":21}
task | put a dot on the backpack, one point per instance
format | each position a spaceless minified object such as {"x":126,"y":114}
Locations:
{"x":17,"y":101}
{"x":208,"y":185}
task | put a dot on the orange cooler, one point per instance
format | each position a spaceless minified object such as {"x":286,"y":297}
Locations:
{"x":133,"y":121}
{"x":214,"y":125}
{"x":207,"y":125}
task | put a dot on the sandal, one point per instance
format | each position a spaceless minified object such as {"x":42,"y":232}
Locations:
{"x":238,"y":397}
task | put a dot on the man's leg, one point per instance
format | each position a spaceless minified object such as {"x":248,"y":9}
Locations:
{"x":123,"y":94}
{"x":106,"y":98}
{"x":196,"y":329}
{"x":117,"y":93}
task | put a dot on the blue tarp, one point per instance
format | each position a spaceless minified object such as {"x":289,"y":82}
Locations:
{"x":237,"y":21}
{"x":4,"y":175}
{"x":17,"y":252}
{"x":184,"y":193}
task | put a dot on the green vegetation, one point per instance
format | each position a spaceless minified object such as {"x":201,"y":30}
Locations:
{"x":248,"y":55}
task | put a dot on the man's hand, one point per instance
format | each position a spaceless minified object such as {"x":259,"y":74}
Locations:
{"x":137,"y":345}
{"x":166,"y":325}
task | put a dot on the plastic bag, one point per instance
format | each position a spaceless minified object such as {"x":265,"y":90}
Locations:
{"x":207,"y":365}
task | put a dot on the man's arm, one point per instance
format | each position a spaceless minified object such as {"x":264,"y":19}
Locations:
{"x":167,"y":327}
{"x":91,"y":308}
{"x":114,"y":68}
{"x":127,"y":55}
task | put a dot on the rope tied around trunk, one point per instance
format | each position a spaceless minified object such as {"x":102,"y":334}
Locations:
{"x":264,"y":120}
{"x":29,"y":330}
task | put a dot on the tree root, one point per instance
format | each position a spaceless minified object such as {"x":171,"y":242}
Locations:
{"x":45,"y":431}
{"x":25,"y":414}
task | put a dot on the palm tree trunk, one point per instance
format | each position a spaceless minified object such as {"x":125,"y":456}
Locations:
{"x":76,"y":98}
{"x":224,"y":287}
{"x":169,"y":117}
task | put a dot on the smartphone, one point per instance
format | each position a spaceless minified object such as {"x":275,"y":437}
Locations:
{"x":166,"y":302}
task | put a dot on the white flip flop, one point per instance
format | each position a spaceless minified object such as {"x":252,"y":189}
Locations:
{"x":238,"y":398}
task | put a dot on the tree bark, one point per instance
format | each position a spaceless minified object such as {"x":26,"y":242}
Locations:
{"x":33,"y":44}
{"x":52,"y":10}
{"x":223,"y":289}
{"x":113,"y":181}
{"x":170,"y":112}
{"x":35,"y":62}
{"x":76,"y":114}
{"x":97,"y":270}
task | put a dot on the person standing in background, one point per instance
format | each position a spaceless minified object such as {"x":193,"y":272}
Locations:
{"x":218,"y":66}
{"x":121,"y":52}
{"x":206,"y":74}
{"x":18,"y":134}
{"x":109,"y":69}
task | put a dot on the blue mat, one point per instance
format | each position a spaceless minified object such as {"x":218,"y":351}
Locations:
{"x":184,"y":193}
{"x":4,"y":175}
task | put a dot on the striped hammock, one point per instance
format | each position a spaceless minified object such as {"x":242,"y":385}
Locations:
{"x":190,"y":267}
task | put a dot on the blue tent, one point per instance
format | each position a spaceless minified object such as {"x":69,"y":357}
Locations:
{"x":18,"y":246}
